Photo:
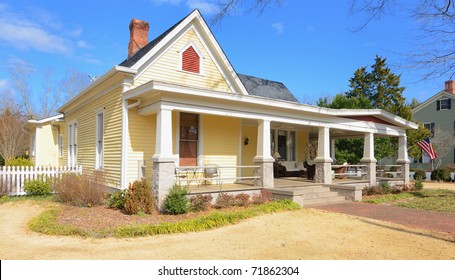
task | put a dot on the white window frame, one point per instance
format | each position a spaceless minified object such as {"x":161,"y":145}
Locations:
{"x":291,"y":150}
{"x":431,"y":127}
{"x":446,"y":105}
{"x":72,"y":144}
{"x":99,"y":141}
{"x":33,"y":145}
{"x":199,"y":53}
{"x":60,"y":145}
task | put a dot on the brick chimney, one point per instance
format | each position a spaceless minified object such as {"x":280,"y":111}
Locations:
{"x":450,"y":86}
{"x":139,"y":36}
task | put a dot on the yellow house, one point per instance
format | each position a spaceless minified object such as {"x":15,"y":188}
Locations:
{"x":176,"y":111}
{"x":46,"y":141}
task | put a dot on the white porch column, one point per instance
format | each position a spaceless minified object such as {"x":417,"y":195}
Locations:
{"x":332,"y":150}
{"x":263,"y":157}
{"x":403,"y":159}
{"x":368,"y":158}
{"x":323,"y":160}
{"x":163,"y":159}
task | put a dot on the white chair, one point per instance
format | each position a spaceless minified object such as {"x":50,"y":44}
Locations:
{"x":212,"y":172}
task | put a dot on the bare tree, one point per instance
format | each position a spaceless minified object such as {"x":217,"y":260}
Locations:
{"x":14,"y":138}
{"x":226,"y":7}
{"x":74,"y":83}
{"x":20,"y":73}
{"x":53,"y":93}
{"x":435,"y":54}
{"x":50,"y":98}
{"x":443,"y":142}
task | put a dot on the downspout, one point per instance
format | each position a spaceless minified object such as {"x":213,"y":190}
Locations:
{"x":125,"y":139}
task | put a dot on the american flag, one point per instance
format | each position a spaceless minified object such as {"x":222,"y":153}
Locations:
{"x":426,"y":146}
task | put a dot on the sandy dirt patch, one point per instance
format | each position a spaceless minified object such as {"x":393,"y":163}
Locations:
{"x":437,"y":185}
{"x":303,"y":234}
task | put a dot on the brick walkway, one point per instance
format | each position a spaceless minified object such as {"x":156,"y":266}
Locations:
{"x":416,"y":218}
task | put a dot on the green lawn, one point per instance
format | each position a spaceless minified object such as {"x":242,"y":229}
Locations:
{"x":431,"y":200}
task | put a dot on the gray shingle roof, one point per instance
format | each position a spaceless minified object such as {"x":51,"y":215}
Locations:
{"x":266,"y":88}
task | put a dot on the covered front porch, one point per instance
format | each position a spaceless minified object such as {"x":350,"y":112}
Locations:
{"x":304,"y":192}
{"x":242,"y":140}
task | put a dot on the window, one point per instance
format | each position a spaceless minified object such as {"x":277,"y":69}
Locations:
{"x":189,"y":136}
{"x":32,"y":146}
{"x":291,"y":145}
{"x":99,"y":140}
{"x":283,"y":142}
{"x":444,"y":104}
{"x":72,"y":144}
{"x":60,"y":145}
{"x":430,"y":127}
{"x":191,"y":60}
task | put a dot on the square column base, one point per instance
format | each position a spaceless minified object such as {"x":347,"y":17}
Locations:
{"x":323,"y":173}
{"x":265,"y":173}
{"x":370,"y":171}
{"x":404,"y":171}
{"x":162,"y":181}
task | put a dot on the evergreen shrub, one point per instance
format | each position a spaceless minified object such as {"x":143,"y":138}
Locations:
{"x":138,"y":198}
{"x":176,"y":202}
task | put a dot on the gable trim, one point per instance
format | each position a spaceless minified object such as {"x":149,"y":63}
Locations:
{"x":233,"y":81}
{"x":439,"y":95}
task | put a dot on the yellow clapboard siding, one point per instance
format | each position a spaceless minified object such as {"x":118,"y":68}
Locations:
{"x":167,"y":68}
{"x":301,"y":145}
{"x":221,"y":143}
{"x":249,"y":151}
{"x":46,"y":146}
{"x":142,"y":130}
{"x":111,"y":105}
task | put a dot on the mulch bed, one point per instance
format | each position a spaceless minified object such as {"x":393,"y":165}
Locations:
{"x":102,"y":217}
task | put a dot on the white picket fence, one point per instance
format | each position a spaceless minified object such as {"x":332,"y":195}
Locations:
{"x":12,"y":178}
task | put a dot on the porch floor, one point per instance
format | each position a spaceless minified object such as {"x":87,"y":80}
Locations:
{"x":280,"y":183}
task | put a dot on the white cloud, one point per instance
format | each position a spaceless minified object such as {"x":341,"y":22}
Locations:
{"x":279,"y":28}
{"x":161,"y":2}
{"x":75,"y":32}
{"x":4,"y":84}
{"x":205,"y":7}
{"x":310,"y":28}
{"x":82,"y":44}
{"x":25,"y":35}
{"x":40,"y":31}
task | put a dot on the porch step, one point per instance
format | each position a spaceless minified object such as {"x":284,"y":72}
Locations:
{"x":323,"y":200}
{"x":308,"y":195}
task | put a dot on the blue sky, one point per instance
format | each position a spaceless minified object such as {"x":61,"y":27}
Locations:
{"x":307,"y":45}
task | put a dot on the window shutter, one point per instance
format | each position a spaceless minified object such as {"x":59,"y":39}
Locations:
{"x":449,"y":104}
{"x":438,"y":105}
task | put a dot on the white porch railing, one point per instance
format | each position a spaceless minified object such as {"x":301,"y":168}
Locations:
{"x":349,"y":170}
{"x":200,"y":175}
{"x":12,"y":178}
{"x":392,"y":171}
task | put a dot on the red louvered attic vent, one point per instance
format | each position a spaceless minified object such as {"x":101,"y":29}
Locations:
{"x":190,"y":61}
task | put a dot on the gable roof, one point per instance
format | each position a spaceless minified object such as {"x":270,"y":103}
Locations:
{"x":439,"y":95}
{"x":266,"y":88}
{"x":195,"y":19}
